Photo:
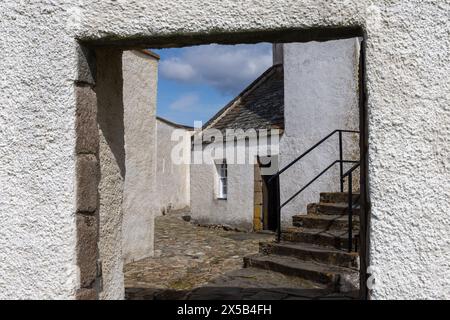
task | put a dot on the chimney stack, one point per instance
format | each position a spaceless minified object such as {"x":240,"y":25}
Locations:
{"x":277,"y":53}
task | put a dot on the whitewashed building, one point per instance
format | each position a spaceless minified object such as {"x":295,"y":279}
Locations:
{"x":310,"y":91}
{"x":227,"y":187}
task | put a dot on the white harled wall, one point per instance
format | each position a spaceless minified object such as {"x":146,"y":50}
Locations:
{"x":237,"y":210}
{"x":110,"y":119}
{"x":320,"y":95}
{"x":140,"y":74}
{"x":407,"y":84}
{"x":172,"y":179}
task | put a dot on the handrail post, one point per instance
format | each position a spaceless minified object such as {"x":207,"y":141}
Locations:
{"x":350,"y":213}
{"x":341,"y":165}
{"x":276,"y":186}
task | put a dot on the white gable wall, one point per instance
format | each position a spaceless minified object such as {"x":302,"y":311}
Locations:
{"x":172,"y":179}
{"x":321,"y":95}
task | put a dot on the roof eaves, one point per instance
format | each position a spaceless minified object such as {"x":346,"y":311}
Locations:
{"x":150,"y":53}
{"x":173,"y":124}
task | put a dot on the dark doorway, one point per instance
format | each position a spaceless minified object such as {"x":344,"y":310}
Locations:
{"x":269,"y":193}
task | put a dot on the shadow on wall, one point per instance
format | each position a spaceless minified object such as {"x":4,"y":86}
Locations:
{"x":110,"y":117}
{"x":110,"y":107}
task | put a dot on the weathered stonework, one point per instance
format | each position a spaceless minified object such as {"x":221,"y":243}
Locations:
{"x":86,"y":121}
{"x":87,"y":177}
{"x":87,"y":249}
{"x":87,"y":183}
{"x":87,"y":294}
{"x":257,"y":199}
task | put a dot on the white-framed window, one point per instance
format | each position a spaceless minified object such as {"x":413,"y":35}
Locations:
{"x":222,"y":181}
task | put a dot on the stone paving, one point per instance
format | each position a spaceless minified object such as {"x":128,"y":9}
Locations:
{"x":195,"y":262}
{"x":187,"y":256}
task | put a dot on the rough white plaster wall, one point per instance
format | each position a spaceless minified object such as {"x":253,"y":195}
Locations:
{"x":321,"y":95}
{"x":408,"y":101}
{"x":110,"y":117}
{"x":172,"y":179}
{"x":37,"y":159}
{"x":140,"y":73}
{"x":237,"y":210}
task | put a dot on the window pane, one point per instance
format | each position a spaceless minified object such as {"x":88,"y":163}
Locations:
{"x":222,"y":179}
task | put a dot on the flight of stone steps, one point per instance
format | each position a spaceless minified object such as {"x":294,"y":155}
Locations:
{"x":316,"y":247}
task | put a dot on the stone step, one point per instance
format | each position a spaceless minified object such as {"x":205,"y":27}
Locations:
{"x":325,"y":221}
{"x":330,"y":208}
{"x":333,"y":197}
{"x":338,"y":278}
{"x":309,"y":252}
{"x":260,"y":278}
{"x":331,"y":238}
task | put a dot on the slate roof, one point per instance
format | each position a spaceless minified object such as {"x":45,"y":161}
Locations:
{"x":259,"y":106}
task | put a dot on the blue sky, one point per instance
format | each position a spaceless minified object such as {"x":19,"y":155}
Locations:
{"x":196,"y":82}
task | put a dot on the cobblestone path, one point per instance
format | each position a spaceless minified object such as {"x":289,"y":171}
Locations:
{"x":194,"y":262}
{"x":188,"y":256}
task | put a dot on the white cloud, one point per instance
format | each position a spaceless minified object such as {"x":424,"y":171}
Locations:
{"x":187,"y":102}
{"x":176,"y":70}
{"x":227,"y":68}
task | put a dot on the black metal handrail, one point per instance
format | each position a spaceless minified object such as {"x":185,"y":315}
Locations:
{"x":315,"y":146}
{"x":349,"y":174}
{"x":275,"y":179}
{"x":315,"y":178}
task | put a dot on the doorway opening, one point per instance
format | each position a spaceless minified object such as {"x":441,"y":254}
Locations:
{"x":265,"y":212}
{"x":267,"y":217}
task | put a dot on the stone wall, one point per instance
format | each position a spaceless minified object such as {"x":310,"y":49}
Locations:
{"x":258,"y":199}
{"x":87,"y":199}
